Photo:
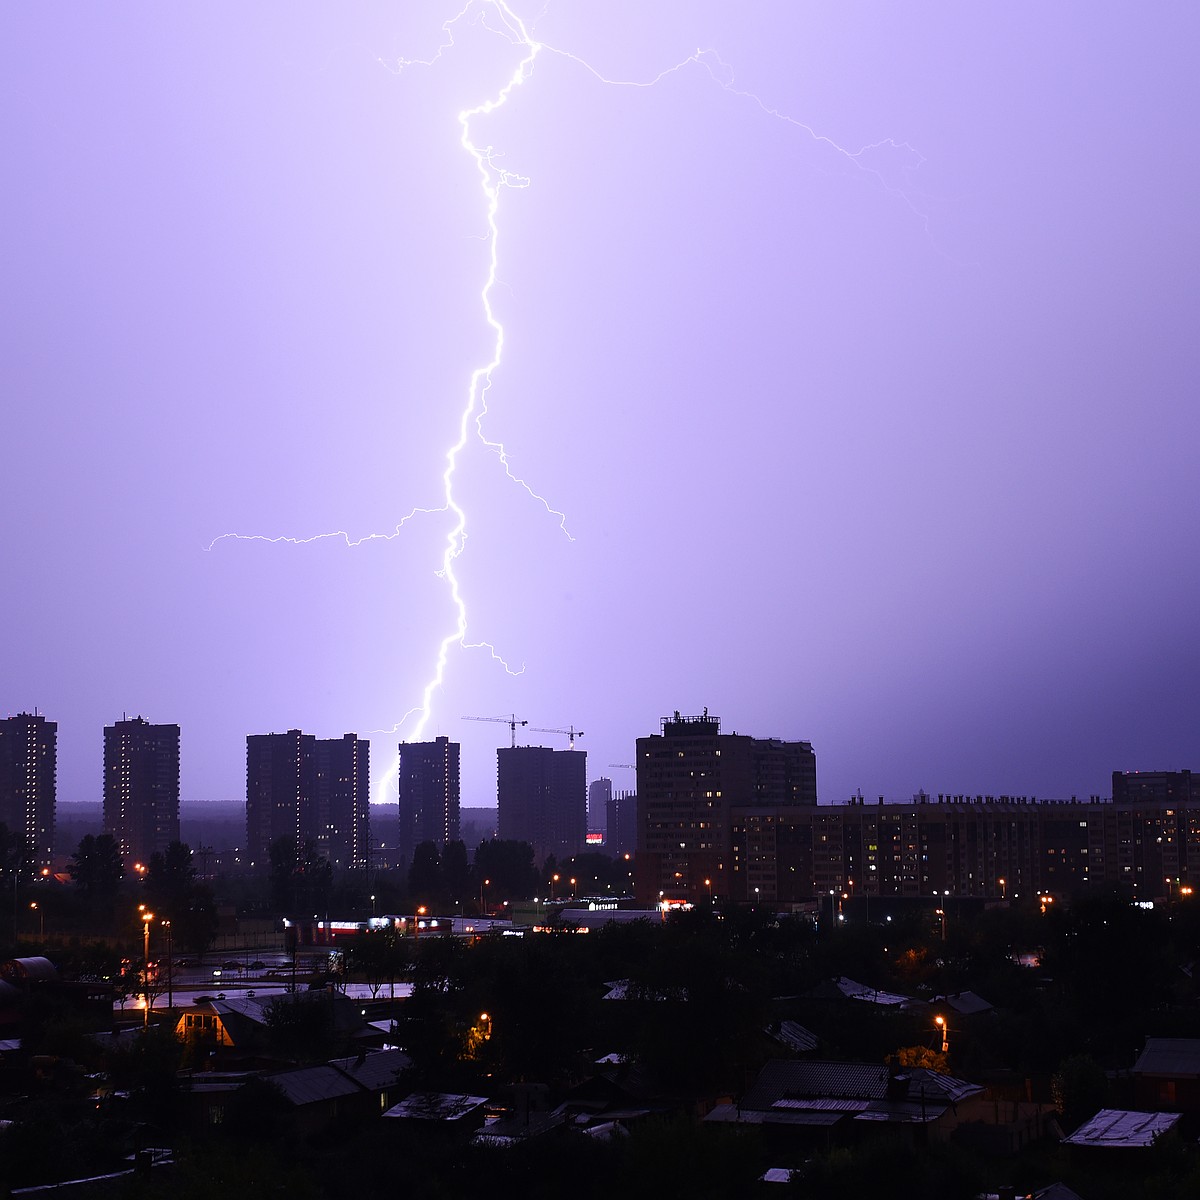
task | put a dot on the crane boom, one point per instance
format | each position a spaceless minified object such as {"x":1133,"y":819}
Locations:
{"x":570,"y":732}
{"x":512,"y":722}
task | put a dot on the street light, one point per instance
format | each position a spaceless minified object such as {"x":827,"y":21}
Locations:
{"x":170,"y":966}
{"x":944,"y":1029}
{"x":33,"y":904}
{"x":553,"y":881}
{"x":1003,"y":887}
{"x":572,"y":887}
{"x":147,"y":917}
{"x":486,"y":883}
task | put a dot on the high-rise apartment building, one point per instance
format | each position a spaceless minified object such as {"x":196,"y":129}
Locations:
{"x":28,"y":775}
{"x":1162,"y":787}
{"x":141,"y":787}
{"x":600,"y":792}
{"x":429,"y":794}
{"x":621,"y":834}
{"x":1147,"y":846}
{"x":343,"y":808}
{"x":308,"y":789}
{"x":690,"y":778}
{"x":541,"y":798}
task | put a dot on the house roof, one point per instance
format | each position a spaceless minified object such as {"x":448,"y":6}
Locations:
{"x":1176,"y":1057}
{"x":841,"y":987}
{"x":793,"y":1035}
{"x":782,"y":1079}
{"x":1119,"y":1128}
{"x":966,"y":1004}
{"x":508,"y":1131}
{"x":374,"y":1071}
{"x":774,"y":1116}
{"x":435,"y":1106}
{"x":311,"y":1085}
{"x":791,"y":1084}
{"x":1056,"y":1191}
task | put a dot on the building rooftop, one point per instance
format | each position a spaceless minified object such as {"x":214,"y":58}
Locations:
{"x":435,"y":1106}
{"x":1176,"y":1057}
{"x":1116,"y":1127}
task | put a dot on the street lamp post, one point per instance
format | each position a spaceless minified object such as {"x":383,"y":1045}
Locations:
{"x":944,"y":1029}
{"x":147,"y":917}
{"x":484,"y":884}
{"x":35,"y":907}
{"x":1003,"y":888}
{"x":170,"y":967}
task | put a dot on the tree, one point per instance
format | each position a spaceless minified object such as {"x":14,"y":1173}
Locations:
{"x":300,"y":882}
{"x":509,"y":865}
{"x":96,"y":868}
{"x":456,"y":873}
{"x":170,"y":877}
{"x":425,"y":875}
{"x":920,"y":1056}
{"x":195,"y":926}
{"x":1080,"y":1089}
{"x":380,"y":956}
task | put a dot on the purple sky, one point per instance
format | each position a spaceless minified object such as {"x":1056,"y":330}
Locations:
{"x":892,"y":449}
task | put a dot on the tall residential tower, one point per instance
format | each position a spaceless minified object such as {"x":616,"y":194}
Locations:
{"x":28,"y":774}
{"x":308,"y":789}
{"x":429,"y":794}
{"x":141,"y":787}
{"x":690,"y":778}
{"x":541,"y":797}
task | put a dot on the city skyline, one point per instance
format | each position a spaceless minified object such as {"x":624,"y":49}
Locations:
{"x":854,"y":351}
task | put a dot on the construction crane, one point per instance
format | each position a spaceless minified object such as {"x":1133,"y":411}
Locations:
{"x":571,"y":732}
{"x":512,"y":723}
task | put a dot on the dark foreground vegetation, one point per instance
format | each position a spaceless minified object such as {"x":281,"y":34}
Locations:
{"x":700,"y":997}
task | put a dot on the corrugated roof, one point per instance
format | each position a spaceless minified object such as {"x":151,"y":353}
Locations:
{"x":860,"y":991}
{"x":794,"y":1080}
{"x":782,"y":1079}
{"x":310,"y":1085}
{"x":732,"y":1114}
{"x":435,"y":1106}
{"x":821,"y":1104}
{"x":795,"y":1036}
{"x":1118,"y":1127}
{"x":936,"y":1085}
{"x":1174,"y":1057}
{"x":966,"y":1004}
{"x":376,"y":1070}
{"x":37,"y":967}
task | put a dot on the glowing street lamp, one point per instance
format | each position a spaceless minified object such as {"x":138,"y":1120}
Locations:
{"x":147,"y":917}
{"x":1003,"y":887}
{"x":35,"y":907}
{"x":944,"y":1030}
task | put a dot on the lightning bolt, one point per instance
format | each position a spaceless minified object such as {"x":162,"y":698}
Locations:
{"x":497,"y":17}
